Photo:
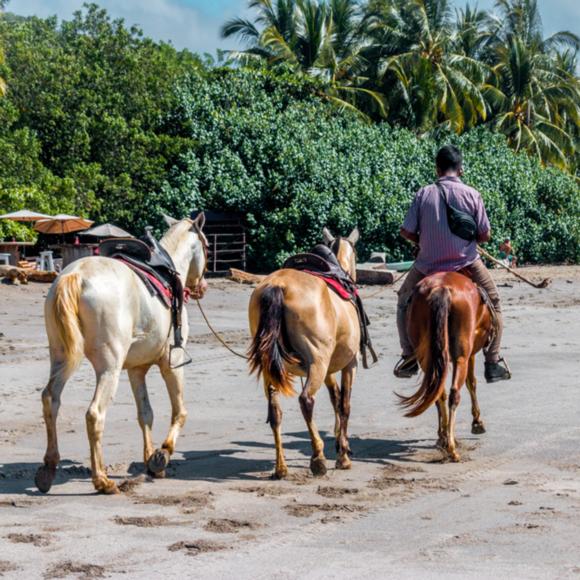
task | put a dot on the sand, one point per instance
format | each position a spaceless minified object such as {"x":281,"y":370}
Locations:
{"x":510,"y":509}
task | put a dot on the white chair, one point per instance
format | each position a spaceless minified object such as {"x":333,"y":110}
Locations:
{"x":45,"y":262}
{"x":5,"y":259}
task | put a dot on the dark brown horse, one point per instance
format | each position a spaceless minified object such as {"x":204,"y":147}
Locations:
{"x":302,"y":328}
{"x":448,"y":322}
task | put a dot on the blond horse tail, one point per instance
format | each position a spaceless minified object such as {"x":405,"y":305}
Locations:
{"x":268,"y":353}
{"x":65,"y":317}
{"x":433,"y":384}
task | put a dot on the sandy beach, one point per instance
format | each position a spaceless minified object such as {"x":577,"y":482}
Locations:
{"x":510,"y":509}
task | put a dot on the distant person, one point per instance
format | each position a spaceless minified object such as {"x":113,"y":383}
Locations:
{"x":442,"y":251}
{"x":506,"y":254}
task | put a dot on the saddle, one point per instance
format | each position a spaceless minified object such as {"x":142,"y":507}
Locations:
{"x":321,"y":262}
{"x":155,"y":268}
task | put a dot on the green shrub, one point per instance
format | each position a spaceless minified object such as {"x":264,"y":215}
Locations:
{"x":265,"y":147}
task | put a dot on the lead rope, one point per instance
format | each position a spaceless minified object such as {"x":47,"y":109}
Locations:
{"x":217,"y":335}
{"x":397,"y":279}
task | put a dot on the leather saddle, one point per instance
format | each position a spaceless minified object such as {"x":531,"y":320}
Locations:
{"x":154,"y":266}
{"x":321,"y":261}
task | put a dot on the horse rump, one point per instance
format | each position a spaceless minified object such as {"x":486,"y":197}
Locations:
{"x":434,"y":342}
{"x":268,"y":354}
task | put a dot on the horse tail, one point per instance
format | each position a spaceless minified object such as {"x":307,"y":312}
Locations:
{"x":65,"y":317}
{"x":268,"y":352}
{"x":433,"y":384}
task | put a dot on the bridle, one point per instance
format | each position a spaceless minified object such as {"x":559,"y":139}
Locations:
{"x":335,"y":245}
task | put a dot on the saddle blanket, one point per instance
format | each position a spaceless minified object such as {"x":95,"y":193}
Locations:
{"x":334,"y":284}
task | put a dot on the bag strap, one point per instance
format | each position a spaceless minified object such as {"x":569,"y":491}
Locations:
{"x":443,"y":193}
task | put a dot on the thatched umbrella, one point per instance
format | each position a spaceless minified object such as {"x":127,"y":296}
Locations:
{"x":62,"y":224}
{"x":106,"y":231}
{"x":24,"y":215}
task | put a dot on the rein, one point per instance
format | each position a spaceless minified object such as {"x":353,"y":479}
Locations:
{"x":216,"y":334}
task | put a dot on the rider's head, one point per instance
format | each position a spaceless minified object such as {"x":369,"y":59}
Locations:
{"x":449,"y":161}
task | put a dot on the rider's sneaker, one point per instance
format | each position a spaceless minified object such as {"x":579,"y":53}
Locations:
{"x":495,"y":372}
{"x":406,"y":367}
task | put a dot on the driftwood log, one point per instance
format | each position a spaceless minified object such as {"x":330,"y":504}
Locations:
{"x":245,"y":277}
{"x":14,"y":275}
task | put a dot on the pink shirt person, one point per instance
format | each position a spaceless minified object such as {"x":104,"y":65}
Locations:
{"x":440,"y":250}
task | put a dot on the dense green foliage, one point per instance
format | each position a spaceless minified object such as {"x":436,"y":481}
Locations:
{"x":294,"y":165}
{"x":86,"y":117}
{"x":418,"y":65}
{"x":99,"y":121}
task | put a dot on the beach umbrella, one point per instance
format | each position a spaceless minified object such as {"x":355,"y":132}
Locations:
{"x":106,"y":231}
{"x":24,"y":215}
{"x":62,"y":224}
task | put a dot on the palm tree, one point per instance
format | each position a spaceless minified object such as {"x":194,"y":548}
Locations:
{"x":2,"y":81}
{"x":321,"y":39}
{"x":431,"y":80}
{"x":536,"y":98}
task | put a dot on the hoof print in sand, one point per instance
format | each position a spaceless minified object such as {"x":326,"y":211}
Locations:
{"x":196,"y":547}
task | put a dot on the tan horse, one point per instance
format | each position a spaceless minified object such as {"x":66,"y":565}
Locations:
{"x":99,"y":307}
{"x":448,"y":324}
{"x":302,"y":328}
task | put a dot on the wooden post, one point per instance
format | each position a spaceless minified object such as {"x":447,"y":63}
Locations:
{"x":215,"y":253}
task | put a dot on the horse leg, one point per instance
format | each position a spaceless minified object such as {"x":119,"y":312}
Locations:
{"x":60,"y":372}
{"x":348,"y":374}
{"x":459,"y":376}
{"x":316,"y":376}
{"x":334,"y":393}
{"x":275,"y":420}
{"x":477,"y":426}
{"x":173,"y":378}
{"x":144,"y":410}
{"x":107,"y":383}
{"x":443,"y":421}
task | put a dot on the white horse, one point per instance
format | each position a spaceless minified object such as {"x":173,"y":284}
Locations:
{"x":99,"y":306}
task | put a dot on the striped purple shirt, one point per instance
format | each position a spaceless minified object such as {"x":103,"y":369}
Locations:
{"x":440,"y":250}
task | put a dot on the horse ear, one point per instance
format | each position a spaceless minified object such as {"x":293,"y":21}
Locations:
{"x":354,"y":236}
{"x":328,"y":237}
{"x":199,"y":222}
{"x":169,"y":220}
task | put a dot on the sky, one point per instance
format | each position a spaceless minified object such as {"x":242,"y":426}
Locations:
{"x":195,"y":24}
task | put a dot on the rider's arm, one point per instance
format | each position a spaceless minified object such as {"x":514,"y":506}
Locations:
{"x":483,"y":237}
{"x":410,"y":227}
{"x":409,"y":236}
{"x":483,"y":227}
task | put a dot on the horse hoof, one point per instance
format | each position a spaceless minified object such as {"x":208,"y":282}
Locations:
{"x":343,"y":463}
{"x":158,"y":461}
{"x":280,"y":473}
{"x":454,"y":457}
{"x":478,"y":428}
{"x":158,"y":475}
{"x":44,"y":477}
{"x":107,"y":487}
{"x":318,"y":466}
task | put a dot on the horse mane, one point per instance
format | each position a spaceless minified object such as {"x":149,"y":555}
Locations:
{"x":172,"y":237}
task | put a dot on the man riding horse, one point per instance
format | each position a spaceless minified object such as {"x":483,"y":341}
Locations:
{"x":440,"y":250}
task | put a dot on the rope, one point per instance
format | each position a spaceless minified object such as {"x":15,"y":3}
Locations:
{"x":383,"y":288}
{"x":217,"y":335}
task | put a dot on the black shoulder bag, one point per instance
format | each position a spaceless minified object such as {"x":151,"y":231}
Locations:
{"x":460,"y":223}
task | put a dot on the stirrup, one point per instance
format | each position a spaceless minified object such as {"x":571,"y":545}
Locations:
{"x":184,"y":363}
{"x":400,"y":372}
{"x":505,"y":364}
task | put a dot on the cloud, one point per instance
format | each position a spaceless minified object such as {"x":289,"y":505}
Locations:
{"x":194,"y":24}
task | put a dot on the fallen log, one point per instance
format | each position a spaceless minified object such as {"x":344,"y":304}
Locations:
{"x":13,"y":275}
{"x":41,"y":276}
{"x":245,"y":277}
{"x":16,"y":275}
